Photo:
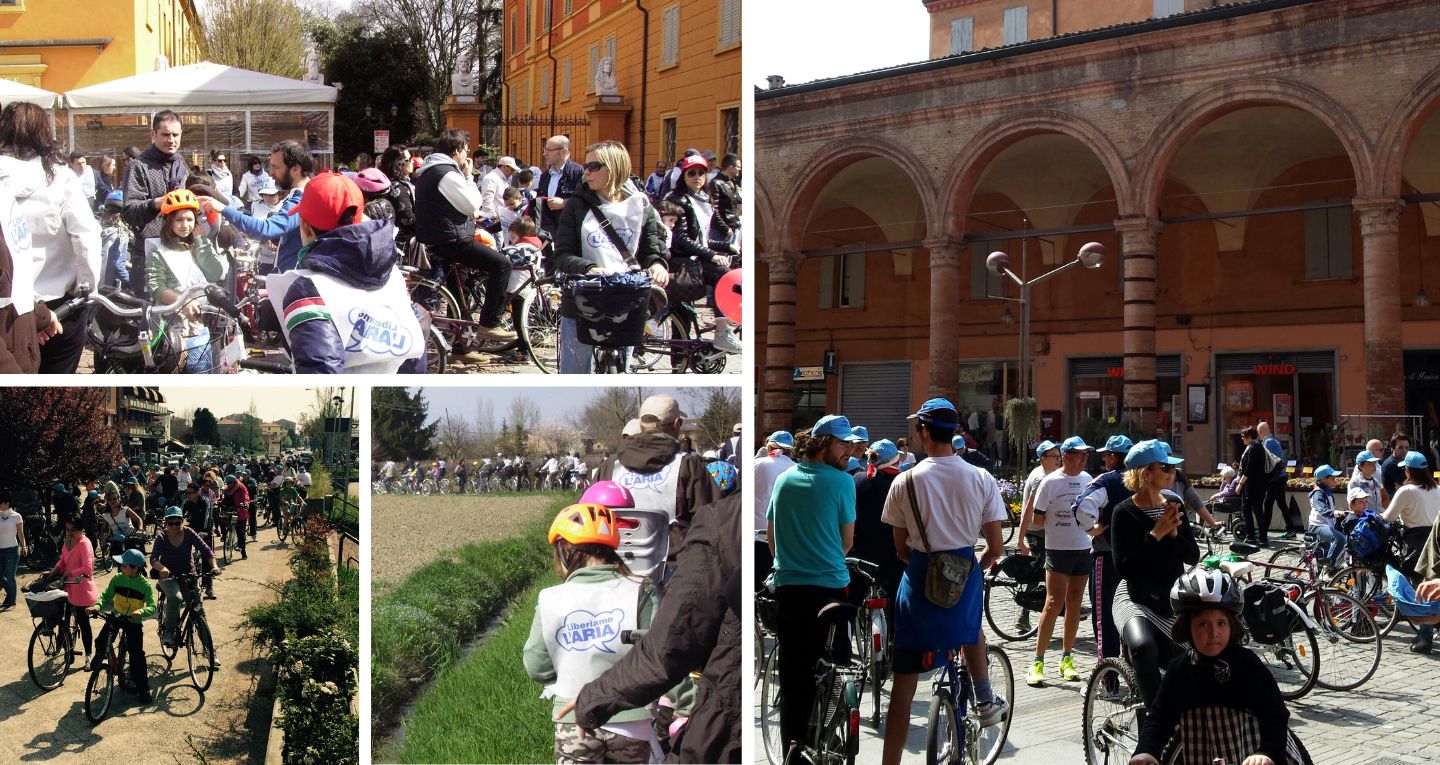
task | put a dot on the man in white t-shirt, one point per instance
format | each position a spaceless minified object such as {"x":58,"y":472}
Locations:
{"x":774,"y":460}
{"x":1048,"y":452}
{"x":1067,"y":553}
{"x":957,"y":502}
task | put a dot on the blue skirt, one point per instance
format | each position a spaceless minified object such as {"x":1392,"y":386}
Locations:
{"x":923,"y":626}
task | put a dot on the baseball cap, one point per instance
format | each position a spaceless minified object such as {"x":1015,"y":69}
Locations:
{"x":115,"y":200}
{"x":507,"y":162}
{"x":1074,"y":444}
{"x":1148,"y":452}
{"x":131,"y":558}
{"x":1325,"y":471}
{"x":694,"y":160}
{"x":1356,"y":492}
{"x":269,"y":187}
{"x":1117,"y":445}
{"x":60,"y":487}
{"x":885,"y":450}
{"x":326,"y":199}
{"x":853,"y":464}
{"x":836,"y":425}
{"x":1044,"y":446}
{"x":860,"y":431}
{"x":372,"y":180}
{"x":959,"y":443}
{"x":938,"y":412}
{"x":735,"y":429}
{"x":229,"y":479}
{"x":658,"y":408}
{"x":632,"y":428}
{"x":173,"y":512}
{"x":782,"y":439}
{"x":1415,"y":460}
{"x":1365,"y":456}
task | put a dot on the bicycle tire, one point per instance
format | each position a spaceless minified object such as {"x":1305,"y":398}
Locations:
{"x":992,"y":739}
{"x":99,"y":692}
{"x":770,"y":708}
{"x":53,"y":655}
{"x":437,"y":356}
{"x":1294,"y":662}
{"x":1368,"y":586}
{"x":1011,"y":522}
{"x":670,"y":327}
{"x":1349,"y":639}
{"x":1110,"y":721}
{"x":1291,"y":557}
{"x":1009,"y":619}
{"x":539,"y":321}
{"x":170,"y":651}
{"x":942,"y":731}
{"x":200,"y":645}
{"x":879,"y":668}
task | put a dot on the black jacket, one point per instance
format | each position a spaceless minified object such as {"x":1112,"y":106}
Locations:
{"x":198,"y":514}
{"x":402,"y":198}
{"x":690,"y":241}
{"x":572,"y":179}
{"x":725,"y":195}
{"x":436,"y":220}
{"x":150,"y":176}
{"x":648,"y":453}
{"x":1149,"y":567}
{"x":1243,"y":682}
{"x":697,"y":626}
{"x":568,"y":254}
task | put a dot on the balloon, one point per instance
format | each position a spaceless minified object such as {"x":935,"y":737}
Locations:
{"x":727,"y":295}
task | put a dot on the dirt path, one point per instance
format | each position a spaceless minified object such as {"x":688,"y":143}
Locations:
{"x":51,"y":726}
{"x":409,"y":532}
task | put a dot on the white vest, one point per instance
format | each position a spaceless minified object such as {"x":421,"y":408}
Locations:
{"x":582,"y":624}
{"x":378,"y":328}
{"x":652,"y":491}
{"x":627,"y":217}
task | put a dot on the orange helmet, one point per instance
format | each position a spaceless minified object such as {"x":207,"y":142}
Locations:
{"x":179,"y":199}
{"x":585,"y":524}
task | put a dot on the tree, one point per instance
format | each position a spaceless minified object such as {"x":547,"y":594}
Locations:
{"x":554,"y":437}
{"x":399,"y":431}
{"x":203,"y":429}
{"x":609,"y":409}
{"x":55,"y":435}
{"x":259,"y":35}
{"x":719,"y":411}
{"x":456,"y":436}
{"x":381,"y":84}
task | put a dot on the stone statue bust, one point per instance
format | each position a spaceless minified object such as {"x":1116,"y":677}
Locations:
{"x":462,"y":82}
{"x":605,"y":78}
{"x":312,"y":66}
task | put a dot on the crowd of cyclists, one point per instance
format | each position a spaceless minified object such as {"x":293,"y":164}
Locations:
{"x":139,"y":522}
{"x":391,"y":264}
{"x":1190,"y":664}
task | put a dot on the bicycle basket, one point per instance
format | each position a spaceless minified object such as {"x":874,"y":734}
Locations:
{"x":136,"y":542}
{"x":1026,"y":569}
{"x":609,"y":311}
{"x":1030,"y":597}
{"x":48,"y":605}
{"x":216,"y":345}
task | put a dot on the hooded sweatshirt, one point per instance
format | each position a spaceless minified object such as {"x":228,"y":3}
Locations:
{"x":64,"y":235}
{"x":344,"y":307}
{"x":650,"y":453}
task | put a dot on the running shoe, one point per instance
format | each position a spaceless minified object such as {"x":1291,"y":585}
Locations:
{"x":1036,"y":678}
{"x":992,"y":712}
{"x":1067,"y":668}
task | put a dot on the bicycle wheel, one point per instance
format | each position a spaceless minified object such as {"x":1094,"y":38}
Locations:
{"x":942,"y":731}
{"x":1011,"y":522}
{"x":1010,"y":620}
{"x":437,"y":355}
{"x":1283,"y":559}
{"x":770,"y":708}
{"x":446,"y":487}
{"x":427,"y":487}
{"x":1349,"y":639}
{"x":991,"y":740}
{"x":1368,"y":586}
{"x":540,"y":326}
{"x":879,"y":663}
{"x":200,"y":654}
{"x":1295,"y":660}
{"x":228,"y":540}
{"x":1110,"y":723}
{"x":99,"y":692}
{"x":668,"y":327}
{"x":48,"y":657}
{"x":837,"y":742}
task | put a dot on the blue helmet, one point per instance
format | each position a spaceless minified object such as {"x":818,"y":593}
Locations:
{"x":724,"y":475}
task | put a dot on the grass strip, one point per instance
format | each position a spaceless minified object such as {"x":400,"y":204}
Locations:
{"x":419,"y":627}
{"x":486,"y":709}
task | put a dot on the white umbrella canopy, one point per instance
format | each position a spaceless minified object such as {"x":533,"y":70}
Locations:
{"x":202,"y":84}
{"x":11,"y":92}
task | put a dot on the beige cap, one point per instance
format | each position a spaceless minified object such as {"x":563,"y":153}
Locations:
{"x":736,"y":429}
{"x":632,"y":428}
{"x":507,"y":162}
{"x":660,"y":409}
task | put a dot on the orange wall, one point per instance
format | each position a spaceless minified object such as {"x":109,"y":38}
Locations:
{"x":140,"y":29}
{"x":1074,"y":16}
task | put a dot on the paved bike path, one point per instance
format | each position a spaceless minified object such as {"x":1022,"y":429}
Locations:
{"x":39,"y":726}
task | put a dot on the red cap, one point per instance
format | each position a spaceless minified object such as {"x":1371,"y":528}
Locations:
{"x":694,"y":160}
{"x":326,"y":198}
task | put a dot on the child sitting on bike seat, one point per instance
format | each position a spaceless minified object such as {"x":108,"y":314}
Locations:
{"x":129,"y":594}
{"x":1218,"y":698}
{"x":575,"y":635}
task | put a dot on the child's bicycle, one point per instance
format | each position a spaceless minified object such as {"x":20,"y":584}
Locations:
{"x":52,"y":642}
{"x":100,"y":689}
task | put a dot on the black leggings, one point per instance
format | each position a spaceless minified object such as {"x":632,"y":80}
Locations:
{"x":800,"y":634}
{"x":1150,"y":649}
{"x":486,"y":260}
{"x":1257,"y":521}
{"x":60,"y":354}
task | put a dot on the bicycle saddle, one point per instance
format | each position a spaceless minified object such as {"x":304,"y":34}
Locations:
{"x":1243,"y":548}
{"x":838,"y":611}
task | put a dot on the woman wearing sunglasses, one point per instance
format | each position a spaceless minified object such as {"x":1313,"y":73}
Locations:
{"x":1152,"y":547}
{"x":174,"y":553}
{"x":691,"y":237}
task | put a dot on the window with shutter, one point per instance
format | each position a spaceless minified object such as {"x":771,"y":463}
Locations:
{"x":670,"y":49}
{"x":1165,"y":8}
{"x":983,"y":284}
{"x":544,"y":87}
{"x":565,"y":80}
{"x":514,"y":32}
{"x":729,"y":23}
{"x":962,"y":35}
{"x":594,"y":67}
{"x":530,"y":14}
{"x":610,"y":52}
{"x":1327,"y":244}
{"x":545,"y":23}
{"x":569,"y":7}
{"x":1017,"y":28}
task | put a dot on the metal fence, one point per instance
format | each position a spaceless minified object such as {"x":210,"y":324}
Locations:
{"x":344,"y":517}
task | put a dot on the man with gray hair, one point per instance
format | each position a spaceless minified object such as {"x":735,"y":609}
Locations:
{"x":1275,"y":490}
{"x":558,"y":183}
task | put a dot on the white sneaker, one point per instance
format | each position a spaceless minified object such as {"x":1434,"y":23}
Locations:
{"x":727,"y":341}
{"x":993,"y":712}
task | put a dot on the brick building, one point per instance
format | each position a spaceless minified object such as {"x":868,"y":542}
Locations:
{"x":676,"y":67}
{"x":1264,"y":176}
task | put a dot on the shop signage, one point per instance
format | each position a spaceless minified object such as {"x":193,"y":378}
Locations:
{"x":973,"y":374}
{"x":1115,"y":371}
{"x":809,"y":373}
{"x":831,"y":361}
{"x":1274,"y":369}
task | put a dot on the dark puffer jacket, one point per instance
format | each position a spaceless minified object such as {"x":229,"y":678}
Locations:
{"x":697,"y":626}
{"x":570,"y":257}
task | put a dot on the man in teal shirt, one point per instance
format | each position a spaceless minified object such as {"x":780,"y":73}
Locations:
{"x":812,"y":525}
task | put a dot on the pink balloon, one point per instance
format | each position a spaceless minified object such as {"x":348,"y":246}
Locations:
{"x":727,"y":295}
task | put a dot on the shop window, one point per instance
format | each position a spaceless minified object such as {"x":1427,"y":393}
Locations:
{"x":1295,"y":393}
{"x":842,"y":281}
{"x":670,"y":47}
{"x":668,"y":136}
{"x":730,"y":128}
{"x":962,"y":35}
{"x":809,"y":405}
{"x":729,"y":23}
{"x":1327,"y":244}
{"x":983,"y":284}
{"x":1165,"y":8}
{"x":1017,"y":29}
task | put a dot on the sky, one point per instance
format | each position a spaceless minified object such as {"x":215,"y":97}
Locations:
{"x":556,"y":404}
{"x":270,"y":403}
{"x":804,"y":40}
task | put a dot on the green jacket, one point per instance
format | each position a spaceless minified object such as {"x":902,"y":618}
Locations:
{"x":537,"y":659}
{"x":159,"y":277}
{"x":129,"y":595}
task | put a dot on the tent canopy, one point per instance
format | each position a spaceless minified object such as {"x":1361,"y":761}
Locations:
{"x":11,"y":91}
{"x":202,"y":84}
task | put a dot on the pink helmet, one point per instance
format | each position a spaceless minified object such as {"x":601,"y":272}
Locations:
{"x":372,"y":181}
{"x":607,"y":494}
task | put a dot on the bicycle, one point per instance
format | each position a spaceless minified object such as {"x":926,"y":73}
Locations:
{"x":42,"y":543}
{"x":193,"y":632}
{"x":52,"y":642}
{"x":834,"y":724}
{"x":609,"y":313}
{"x":285,"y":524}
{"x":132,"y":336}
{"x":1294,"y":662}
{"x":1015,"y":596}
{"x":872,"y":632}
{"x":100,"y":688}
{"x":228,"y":540}
{"x":954,"y":733}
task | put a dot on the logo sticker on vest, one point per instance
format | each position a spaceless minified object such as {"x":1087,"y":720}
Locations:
{"x":598,"y":239}
{"x":582,"y":630}
{"x":377,"y":330}
{"x":647,"y":481}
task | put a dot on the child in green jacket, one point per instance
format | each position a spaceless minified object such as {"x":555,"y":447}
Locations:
{"x":129,"y":593}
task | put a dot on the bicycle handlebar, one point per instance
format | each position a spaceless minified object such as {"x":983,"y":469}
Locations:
{"x":85,"y":297}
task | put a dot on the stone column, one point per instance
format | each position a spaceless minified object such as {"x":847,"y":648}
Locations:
{"x":1138,"y":238}
{"x":778,"y":400}
{"x":944,"y":318}
{"x":1384,"y":357}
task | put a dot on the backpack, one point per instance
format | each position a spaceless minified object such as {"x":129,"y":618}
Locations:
{"x":1267,"y":617}
{"x":1369,"y":536}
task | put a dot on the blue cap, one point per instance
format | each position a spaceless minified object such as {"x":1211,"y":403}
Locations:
{"x":1415,"y":460}
{"x":1074,"y":444}
{"x":1117,"y":445}
{"x":94,"y":494}
{"x":60,"y":487}
{"x":959,"y":442}
{"x":131,"y":558}
{"x":173,"y":512}
{"x":1325,"y":471}
{"x":1364,"y":457}
{"x":885,"y":450}
{"x":937,"y":411}
{"x":837,"y":425}
{"x":782,"y":438}
{"x":229,"y":479}
{"x":853,"y":464}
{"x":1148,"y":452}
{"x":860,"y":431}
{"x":1044,"y":446}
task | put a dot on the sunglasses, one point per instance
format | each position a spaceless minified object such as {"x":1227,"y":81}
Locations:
{"x":173,"y":523}
{"x":594,"y":167}
{"x":1165,"y":468}
{"x":694,"y":172}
